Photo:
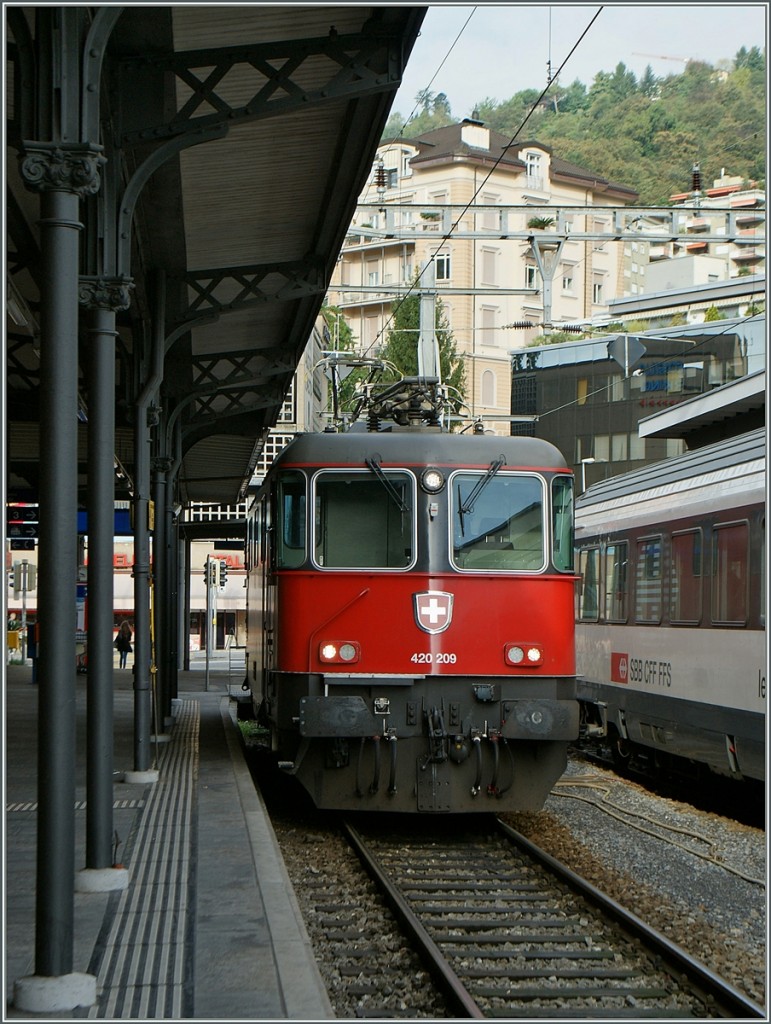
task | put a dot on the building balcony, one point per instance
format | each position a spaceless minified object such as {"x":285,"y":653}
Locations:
{"x":747,"y":256}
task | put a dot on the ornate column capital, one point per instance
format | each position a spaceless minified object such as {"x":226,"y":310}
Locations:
{"x":51,"y":166}
{"x":112,"y":293}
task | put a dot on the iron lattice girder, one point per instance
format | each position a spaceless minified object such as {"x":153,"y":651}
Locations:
{"x":245,"y":369}
{"x":224,"y":402}
{"x":359,"y":64}
{"x":229,"y":289}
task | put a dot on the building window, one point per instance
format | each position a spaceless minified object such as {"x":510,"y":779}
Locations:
{"x":442,"y":264}
{"x":531,"y":275}
{"x":567,"y":280}
{"x":534,"y":170}
{"x":488,"y":388}
{"x":636,"y":448}
{"x":392,"y":177}
{"x":489,"y":262}
{"x":597,"y":291}
{"x":406,"y":169}
{"x":489,"y":318}
{"x":601,"y":448}
{"x":620,"y":447}
{"x":373,"y":273}
{"x":491,"y":219}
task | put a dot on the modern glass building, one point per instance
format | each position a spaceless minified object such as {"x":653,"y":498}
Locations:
{"x":589,"y":396}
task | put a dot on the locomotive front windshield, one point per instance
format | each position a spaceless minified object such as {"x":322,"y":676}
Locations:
{"x":498,"y":522}
{"x":364,"y":520}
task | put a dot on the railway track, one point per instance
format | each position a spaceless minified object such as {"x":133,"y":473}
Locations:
{"x":507,"y":931}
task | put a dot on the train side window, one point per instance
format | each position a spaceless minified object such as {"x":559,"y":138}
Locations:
{"x":562,"y":523}
{"x":616,"y":565}
{"x":290,"y":508}
{"x":730,"y":576}
{"x":686,"y":577}
{"x":648,"y":581}
{"x":588,"y":588}
{"x":763,"y":573}
{"x":364,"y":521}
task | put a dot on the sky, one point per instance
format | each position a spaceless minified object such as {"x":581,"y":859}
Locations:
{"x":505,"y":48}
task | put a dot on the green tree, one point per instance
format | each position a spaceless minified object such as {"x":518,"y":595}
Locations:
{"x":401,"y":347}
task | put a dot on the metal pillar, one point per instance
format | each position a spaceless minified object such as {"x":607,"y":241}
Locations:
{"x":57,"y":553}
{"x":62,"y":175}
{"x":142,"y":680}
{"x":161,"y":591}
{"x":103,"y":298}
{"x":101,"y":532}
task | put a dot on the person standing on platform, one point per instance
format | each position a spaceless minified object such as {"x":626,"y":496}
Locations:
{"x":123,"y":642}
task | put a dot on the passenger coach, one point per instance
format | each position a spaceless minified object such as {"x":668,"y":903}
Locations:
{"x":670,"y":637}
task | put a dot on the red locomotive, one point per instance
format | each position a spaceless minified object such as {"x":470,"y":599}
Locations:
{"x":410,"y":619}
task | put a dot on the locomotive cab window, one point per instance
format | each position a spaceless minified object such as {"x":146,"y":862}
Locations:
{"x":497,"y":521}
{"x":364,"y":519}
{"x":290,"y":520}
{"x":562,"y":523}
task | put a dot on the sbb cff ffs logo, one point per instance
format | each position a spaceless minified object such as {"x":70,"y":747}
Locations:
{"x":619,"y":668}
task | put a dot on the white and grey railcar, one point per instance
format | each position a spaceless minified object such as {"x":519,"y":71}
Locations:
{"x":670,"y":609}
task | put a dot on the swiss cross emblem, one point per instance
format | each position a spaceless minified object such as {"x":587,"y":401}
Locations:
{"x":433,"y":610}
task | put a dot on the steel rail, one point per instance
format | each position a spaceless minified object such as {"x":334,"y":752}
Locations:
{"x":712,"y":985}
{"x":452,"y":987}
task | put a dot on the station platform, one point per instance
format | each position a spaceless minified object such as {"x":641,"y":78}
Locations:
{"x":208,"y":926}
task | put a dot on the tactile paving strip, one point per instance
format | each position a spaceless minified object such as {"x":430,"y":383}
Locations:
{"x":144,"y":956}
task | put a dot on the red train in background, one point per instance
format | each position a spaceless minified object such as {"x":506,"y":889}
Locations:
{"x":410,"y":629}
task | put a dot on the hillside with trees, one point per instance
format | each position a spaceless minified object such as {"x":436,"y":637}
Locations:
{"x":645,"y":133}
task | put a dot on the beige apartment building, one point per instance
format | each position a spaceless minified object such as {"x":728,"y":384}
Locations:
{"x":502,"y":226}
{"x":716,"y":235}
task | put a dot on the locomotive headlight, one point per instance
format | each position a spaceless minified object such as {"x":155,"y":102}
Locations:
{"x":515,"y":654}
{"x":339,"y":651}
{"x":348,"y":652}
{"x":523,"y":654}
{"x":432,"y":480}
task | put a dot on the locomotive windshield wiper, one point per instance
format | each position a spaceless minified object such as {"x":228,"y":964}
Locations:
{"x":467,"y":506}
{"x":377,"y":469}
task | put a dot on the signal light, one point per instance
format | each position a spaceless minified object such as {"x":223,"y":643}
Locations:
{"x":223,"y":566}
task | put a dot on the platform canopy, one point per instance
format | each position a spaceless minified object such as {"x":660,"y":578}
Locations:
{"x":236,"y":141}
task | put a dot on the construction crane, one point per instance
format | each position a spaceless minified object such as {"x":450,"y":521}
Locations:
{"x":663,"y":56}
